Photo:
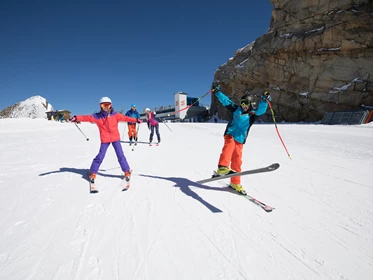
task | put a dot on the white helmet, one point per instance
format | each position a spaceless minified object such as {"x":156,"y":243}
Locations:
{"x":105,"y":100}
{"x":147,"y":109}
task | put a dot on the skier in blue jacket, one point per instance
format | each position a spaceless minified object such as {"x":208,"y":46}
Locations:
{"x":132,"y":132}
{"x":243,"y":116}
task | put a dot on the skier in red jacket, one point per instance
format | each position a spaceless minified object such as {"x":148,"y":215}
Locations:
{"x":107,"y":121}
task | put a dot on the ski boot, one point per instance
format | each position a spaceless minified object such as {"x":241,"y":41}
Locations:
{"x":222,"y":171}
{"x":238,"y":188}
{"x":127,"y":175}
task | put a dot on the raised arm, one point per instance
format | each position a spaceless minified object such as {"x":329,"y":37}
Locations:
{"x":224,"y":100}
{"x":263,"y":104}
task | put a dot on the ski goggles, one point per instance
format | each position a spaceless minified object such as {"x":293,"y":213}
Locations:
{"x":245,"y":103}
{"x":105,"y":105}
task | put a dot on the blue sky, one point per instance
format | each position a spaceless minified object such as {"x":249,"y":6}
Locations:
{"x":142,"y":52}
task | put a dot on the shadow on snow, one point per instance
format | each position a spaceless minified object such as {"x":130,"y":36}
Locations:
{"x":185,"y":184}
{"x":83,"y":172}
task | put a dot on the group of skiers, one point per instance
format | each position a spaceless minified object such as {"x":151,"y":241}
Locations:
{"x":150,"y":120}
{"x":236,"y":132}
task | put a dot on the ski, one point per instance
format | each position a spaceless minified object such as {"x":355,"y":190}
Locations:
{"x":92,"y":188}
{"x":269,"y":168}
{"x":126,"y":182}
{"x":264,"y":206}
{"x":126,"y":186}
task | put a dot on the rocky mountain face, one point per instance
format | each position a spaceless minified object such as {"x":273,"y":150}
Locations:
{"x":33,"y":107}
{"x":316,"y":57}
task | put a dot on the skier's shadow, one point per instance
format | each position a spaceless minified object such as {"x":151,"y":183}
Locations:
{"x":184,"y":185}
{"x":83,"y":172}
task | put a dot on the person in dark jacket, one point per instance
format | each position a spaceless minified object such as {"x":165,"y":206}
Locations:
{"x":132,"y":132}
{"x":236,"y":132}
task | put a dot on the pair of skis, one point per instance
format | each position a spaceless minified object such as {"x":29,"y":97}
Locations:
{"x":125,"y":186}
{"x":269,"y":168}
{"x":261,"y":204}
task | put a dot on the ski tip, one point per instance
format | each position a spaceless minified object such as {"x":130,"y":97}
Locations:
{"x":268,"y":208}
{"x":274,"y":166}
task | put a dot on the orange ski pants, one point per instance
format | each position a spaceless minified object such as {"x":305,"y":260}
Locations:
{"x":132,"y":131}
{"x":231,"y":156}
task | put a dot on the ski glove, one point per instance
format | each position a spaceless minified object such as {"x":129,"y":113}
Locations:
{"x":266,"y":96}
{"x":73,"y":119}
{"x":138,"y":120}
{"x":215,"y":89}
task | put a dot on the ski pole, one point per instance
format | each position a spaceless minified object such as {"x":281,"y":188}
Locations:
{"x":278,"y":133}
{"x":81,"y":131}
{"x":164,"y":123}
{"x":137,"y":131}
{"x":124,"y":131}
{"x":173,"y":113}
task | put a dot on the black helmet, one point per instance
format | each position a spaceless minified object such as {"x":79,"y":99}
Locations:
{"x":246,"y":100}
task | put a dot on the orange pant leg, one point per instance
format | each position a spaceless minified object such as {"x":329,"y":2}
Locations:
{"x":132,"y":130}
{"x":227,"y":152}
{"x":237,"y":162}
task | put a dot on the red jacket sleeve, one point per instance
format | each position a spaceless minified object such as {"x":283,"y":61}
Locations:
{"x":122,"y":118}
{"x":89,"y":118}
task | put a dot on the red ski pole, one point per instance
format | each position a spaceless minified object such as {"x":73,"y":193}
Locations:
{"x":278,"y":133}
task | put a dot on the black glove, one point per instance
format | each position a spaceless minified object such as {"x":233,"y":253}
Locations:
{"x":73,"y":119}
{"x":215,"y":89}
{"x":138,"y":120}
{"x":266,"y":96}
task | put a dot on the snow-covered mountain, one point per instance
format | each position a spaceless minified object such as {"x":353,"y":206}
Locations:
{"x":33,"y":107}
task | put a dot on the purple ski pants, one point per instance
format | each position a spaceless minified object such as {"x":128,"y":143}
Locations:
{"x":101,"y":154}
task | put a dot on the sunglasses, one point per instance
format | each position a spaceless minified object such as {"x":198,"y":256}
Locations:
{"x":105,"y":105}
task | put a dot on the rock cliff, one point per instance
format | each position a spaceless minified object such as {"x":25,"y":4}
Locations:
{"x":316,"y":57}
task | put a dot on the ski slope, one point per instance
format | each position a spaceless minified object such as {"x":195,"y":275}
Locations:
{"x":52,"y":228}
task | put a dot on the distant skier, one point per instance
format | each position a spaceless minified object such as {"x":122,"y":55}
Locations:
{"x":132,"y":133}
{"x":152,"y":124}
{"x":237,"y":130}
{"x":107,"y":121}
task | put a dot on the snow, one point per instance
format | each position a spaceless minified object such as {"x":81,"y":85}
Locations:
{"x":304,"y":93}
{"x":346,"y":86}
{"x":287,"y":35}
{"x":242,"y":64}
{"x":314,"y":30}
{"x":52,"y":228}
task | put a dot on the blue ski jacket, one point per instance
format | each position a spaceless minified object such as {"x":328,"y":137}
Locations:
{"x":241,"y":121}
{"x":132,"y":114}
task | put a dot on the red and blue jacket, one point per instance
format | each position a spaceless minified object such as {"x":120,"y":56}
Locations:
{"x":107,"y":123}
{"x":132,"y":114}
